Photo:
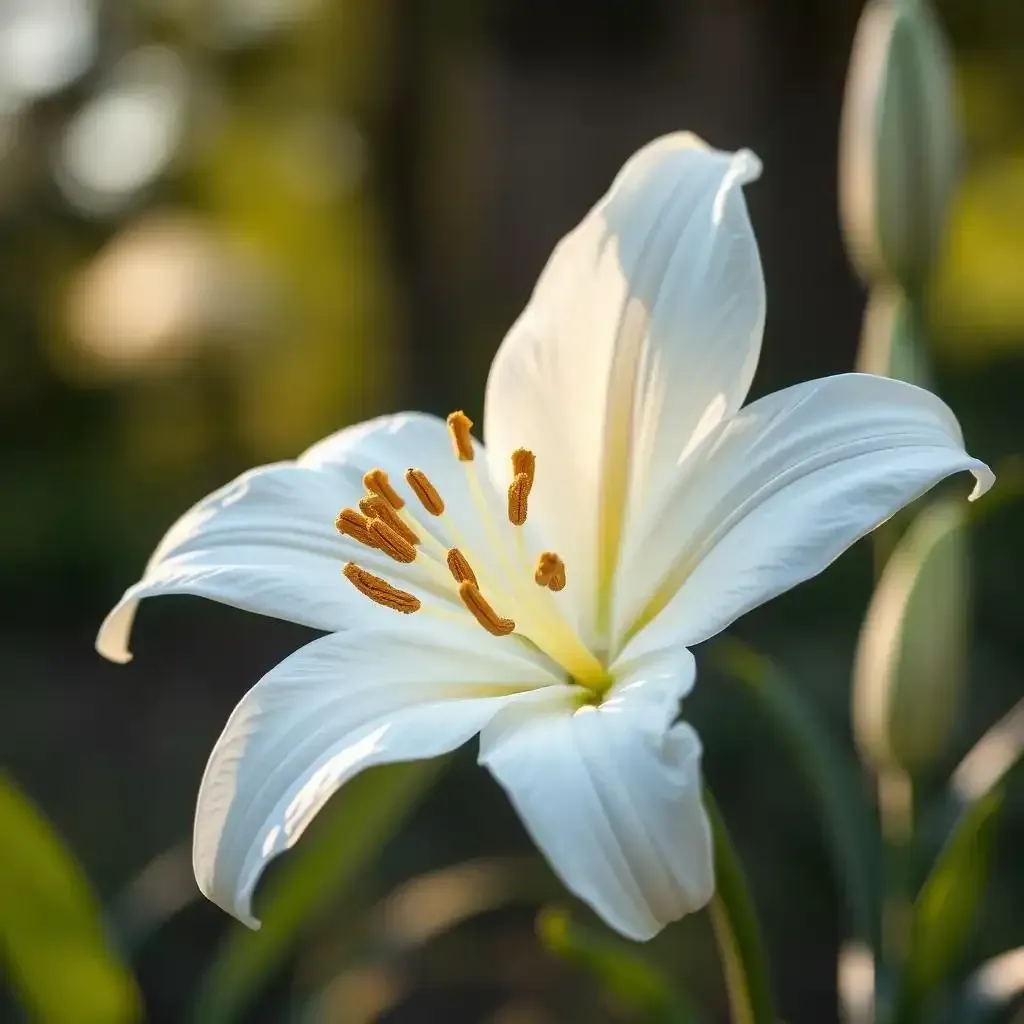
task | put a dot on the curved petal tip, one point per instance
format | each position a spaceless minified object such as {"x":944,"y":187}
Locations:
{"x":113,"y":635}
{"x":984,"y":478}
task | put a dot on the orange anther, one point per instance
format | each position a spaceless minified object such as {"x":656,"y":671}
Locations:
{"x":460,"y":567}
{"x":391,"y":542}
{"x":459,"y":426}
{"x":483,"y":612}
{"x":425,"y":491}
{"x":380,"y":591}
{"x":377,"y":482}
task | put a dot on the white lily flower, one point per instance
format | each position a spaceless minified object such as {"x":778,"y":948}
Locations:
{"x":626,"y":508}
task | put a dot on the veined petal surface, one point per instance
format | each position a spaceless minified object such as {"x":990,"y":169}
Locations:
{"x":266,"y":542}
{"x":344,"y":702}
{"x":642,"y":334}
{"x":611,"y":793}
{"x":777,"y":493}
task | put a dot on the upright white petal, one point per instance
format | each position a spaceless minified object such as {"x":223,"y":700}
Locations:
{"x":779,"y":492}
{"x":611,"y":794}
{"x":642,"y":334}
{"x":266,"y":542}
{"x":341,"y":704}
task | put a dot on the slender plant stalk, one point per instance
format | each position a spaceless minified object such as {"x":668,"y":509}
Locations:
{"x":737,"y":931}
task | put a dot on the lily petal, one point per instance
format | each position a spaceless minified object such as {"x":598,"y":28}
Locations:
{"x":611,"y":793}
{"x":266,"y":542}
{"x":642,"y":334}
{"x":779,"y":492}
{"x":341,"y":704}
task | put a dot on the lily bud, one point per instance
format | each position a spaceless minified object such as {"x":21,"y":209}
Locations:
{"x":910,"y":662}
{"x":892,"y":342}
{"x":898,"y":146}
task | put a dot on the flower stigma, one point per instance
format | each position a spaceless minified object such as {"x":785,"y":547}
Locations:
{"x":487,"y":584}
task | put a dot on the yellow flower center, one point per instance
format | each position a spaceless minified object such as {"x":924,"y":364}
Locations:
{"x":526,"y":586}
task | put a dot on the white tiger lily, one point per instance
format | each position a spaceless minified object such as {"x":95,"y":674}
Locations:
{"x":544,"y":592}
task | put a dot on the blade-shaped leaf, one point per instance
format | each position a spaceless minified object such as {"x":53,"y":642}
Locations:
{"x":946,"y":907}
{"x":850,"y":831}
{"x":737,"y":930}
{"x":330,"y":857}
{"x":52,"y":941}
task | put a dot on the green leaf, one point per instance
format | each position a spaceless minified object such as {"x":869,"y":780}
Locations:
{"x":52,"y":939}
{"x":850,"y":831}
{"x":945,"y":908}
{"x":337,"y":849}
{"x":633,"y":983}
{"x":740,"y":944}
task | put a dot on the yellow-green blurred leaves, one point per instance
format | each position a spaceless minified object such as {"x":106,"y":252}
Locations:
{"x":977,"y":305}
{"x":899,"y":143}
{"x":337,"y":849}
{"x":945,"y":908}
{"x":910,"y":661}
{"x":52,"y":940}
{"x":628,"y":980}
{"x":831,"y":778}
{"x":292,"y":195}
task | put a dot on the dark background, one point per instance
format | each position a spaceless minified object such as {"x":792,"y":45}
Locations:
{"x":229,"y":228}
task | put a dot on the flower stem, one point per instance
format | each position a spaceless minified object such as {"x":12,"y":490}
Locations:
{"x":737,"y":931}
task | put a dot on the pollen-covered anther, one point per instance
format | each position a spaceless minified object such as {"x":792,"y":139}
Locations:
{"x":460,"y":568}
{"x":523,"y":461}
{"x":392,"y":543}
{"x":373,"y":506}
{"x":483,"y":612}
{"x":425,"y":491}
{"x":380,"y":591}
{"x":518,"y":493}
{"x":550,"y":571}
{"x":459,"y":426}
{"x":376,"y":481}
{"x":354,"y":524}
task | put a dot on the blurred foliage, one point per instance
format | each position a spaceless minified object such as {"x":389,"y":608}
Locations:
{"x":230,"y":227}
{"x":52,"y":938}
{"x":629,"y":979}
{"x":330,"y":861}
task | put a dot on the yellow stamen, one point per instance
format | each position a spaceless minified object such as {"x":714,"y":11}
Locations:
{"x":377,"y":482}
{"x":352,"y":524}
{"x":374,"y":506}
{"x":518,"y":492}
{"x":460,"y":568}
{"x":391,"y":542}
{"x":380,"y":591}
{"x":459,"y":426}
{"x":523,"y":461}
{"x":483,"y":612}
{"x":425,"y":491}
{"x":550,"y":571}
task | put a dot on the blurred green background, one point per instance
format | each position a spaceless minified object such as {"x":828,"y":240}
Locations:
{"x":229,"y":227}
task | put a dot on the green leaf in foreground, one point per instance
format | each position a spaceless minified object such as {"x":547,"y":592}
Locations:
{"x":850,"y":831}
{"x":52,"y":941}
{"x":946,"y":906}
{"x":737,"y":931}
{"x":343,"y":842}
{"x":629,"y":980}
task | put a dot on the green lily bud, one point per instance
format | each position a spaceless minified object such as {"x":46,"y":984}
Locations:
{"x":892,"y":342}
{"x":910,"y":662}
{"x":898,"y":146}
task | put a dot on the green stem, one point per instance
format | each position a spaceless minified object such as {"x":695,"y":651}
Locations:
{"x":737,"y":932}
{"x":896,"y":817}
